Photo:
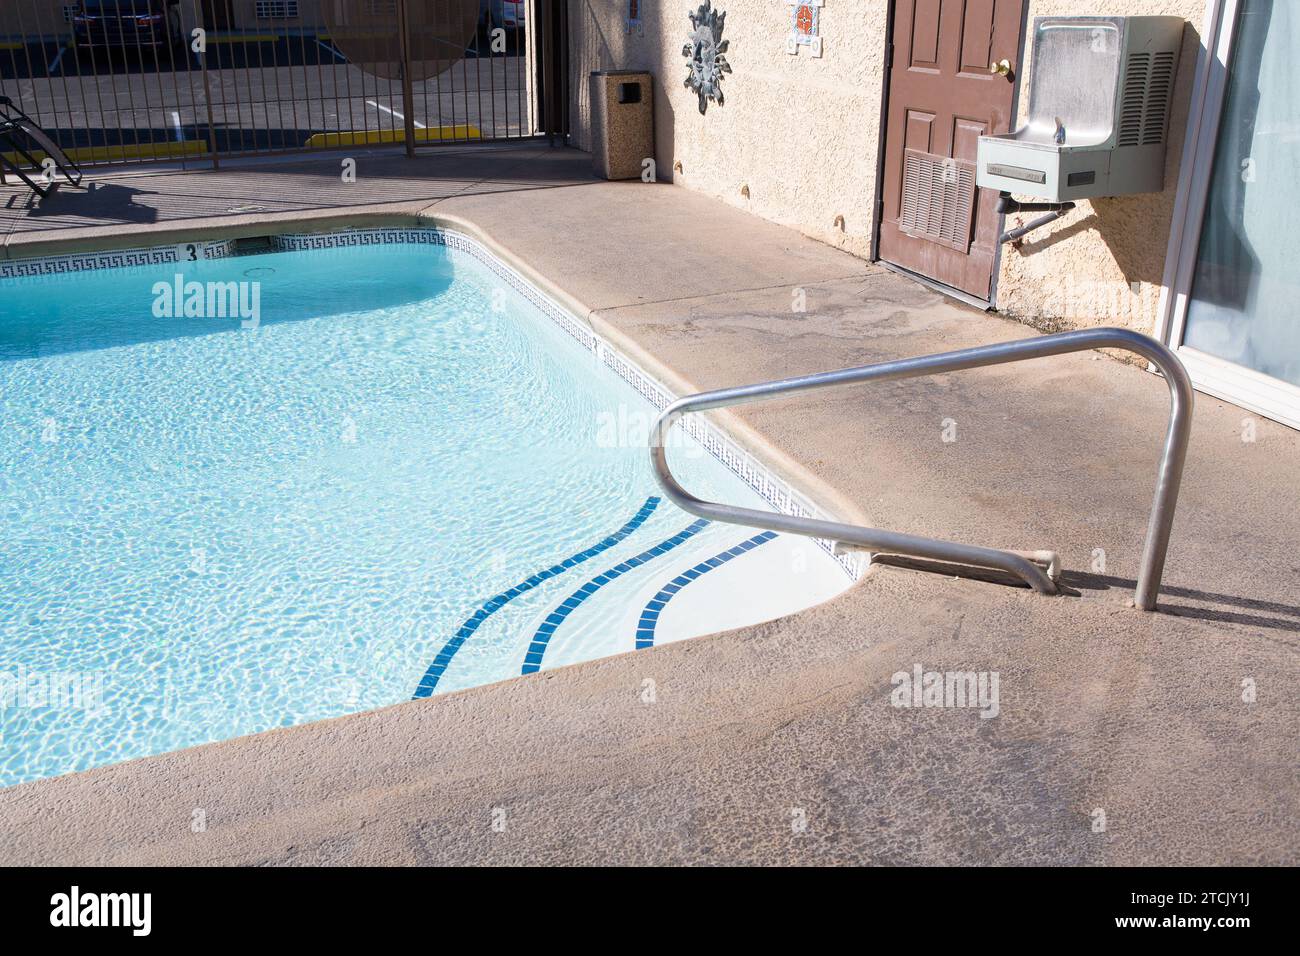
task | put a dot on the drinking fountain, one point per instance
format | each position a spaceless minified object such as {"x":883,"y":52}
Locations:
{"x":1099,"y":95}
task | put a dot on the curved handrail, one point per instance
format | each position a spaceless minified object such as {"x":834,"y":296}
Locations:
{"x":1162,"y":511}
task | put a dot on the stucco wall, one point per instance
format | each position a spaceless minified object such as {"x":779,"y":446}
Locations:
{"x":800,"y":132}
{"x":1103,"y":263}
{"x":33,"y":18}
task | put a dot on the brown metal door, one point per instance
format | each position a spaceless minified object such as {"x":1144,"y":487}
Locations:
{"x":942,"y":98}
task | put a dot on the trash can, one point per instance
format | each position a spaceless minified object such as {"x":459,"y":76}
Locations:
{"x":622,"y":123}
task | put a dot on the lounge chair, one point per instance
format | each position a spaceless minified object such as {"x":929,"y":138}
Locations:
{"x":18,"y":133}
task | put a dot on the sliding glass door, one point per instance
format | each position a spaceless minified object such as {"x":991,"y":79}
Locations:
{"x":1234,"y":299}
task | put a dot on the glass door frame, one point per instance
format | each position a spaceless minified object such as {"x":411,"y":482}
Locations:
{"x":1243,"y":386}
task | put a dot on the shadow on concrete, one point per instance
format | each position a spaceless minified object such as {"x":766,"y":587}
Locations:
{"x":99,"y":202}
{"x":1234,"y":609}
{"x":310,"y":183}
{"x":988,"y":575}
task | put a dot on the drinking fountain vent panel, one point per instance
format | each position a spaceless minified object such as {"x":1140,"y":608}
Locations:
{"x":1100,"y":89}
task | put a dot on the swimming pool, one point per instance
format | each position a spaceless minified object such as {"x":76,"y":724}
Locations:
{"x":371,"y":466}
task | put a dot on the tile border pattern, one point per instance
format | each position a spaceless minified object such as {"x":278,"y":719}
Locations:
{"x":135,"y":258}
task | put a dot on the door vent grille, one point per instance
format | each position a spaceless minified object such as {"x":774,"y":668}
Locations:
{"x":938,"y":199}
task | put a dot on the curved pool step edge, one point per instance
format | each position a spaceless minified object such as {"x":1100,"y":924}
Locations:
{"x":546,"y":630}
{"x":645,"y":632}
{"x":429,"y":682}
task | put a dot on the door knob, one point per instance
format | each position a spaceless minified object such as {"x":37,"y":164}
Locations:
{"x":1001,"y":67}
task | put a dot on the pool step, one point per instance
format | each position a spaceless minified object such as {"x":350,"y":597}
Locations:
{"x":670,"y":577}
{"x":470,"y":627}
{"x":559,"y":614}
{"x":626,"y":613}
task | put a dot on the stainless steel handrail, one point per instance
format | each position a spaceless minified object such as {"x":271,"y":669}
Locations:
{"x":1168,"y":479}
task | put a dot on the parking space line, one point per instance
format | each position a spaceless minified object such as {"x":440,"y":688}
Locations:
{"x":394,"y":113}
{"x":330,"y":49}
{"x":55,"y":62}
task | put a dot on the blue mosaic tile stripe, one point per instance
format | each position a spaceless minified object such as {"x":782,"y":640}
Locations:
{"x":645,"y":628}
{"x":429,"y":682}
{"x":547,"y":629}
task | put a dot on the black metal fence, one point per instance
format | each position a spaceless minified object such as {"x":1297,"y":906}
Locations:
{"x":129,"y":81}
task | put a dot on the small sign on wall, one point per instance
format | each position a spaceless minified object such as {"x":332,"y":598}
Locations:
{"x":805,"y":27}
{"x":632,"y":24}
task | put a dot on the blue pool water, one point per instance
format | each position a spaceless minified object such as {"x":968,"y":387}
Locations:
{"x":210,"y":528}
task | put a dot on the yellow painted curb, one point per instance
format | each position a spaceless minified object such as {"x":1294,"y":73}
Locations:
{"x":247,"y":37}
{"x":432,"y":134}
{"x":100,"y":154}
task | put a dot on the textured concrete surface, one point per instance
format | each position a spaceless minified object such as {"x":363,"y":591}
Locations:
{"x":164,"y":204}
{"x":747,"y":730}
{"x":1122,"y":737}
{"x":800,"y":136}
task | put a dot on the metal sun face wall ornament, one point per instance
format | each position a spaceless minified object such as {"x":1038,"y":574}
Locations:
{"x":704,"y":49}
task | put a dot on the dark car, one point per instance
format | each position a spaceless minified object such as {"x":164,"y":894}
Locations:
{"x":508,"y":14}
{"x":127,"y":23}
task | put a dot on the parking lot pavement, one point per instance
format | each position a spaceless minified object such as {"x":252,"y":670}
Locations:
{"x":266,"y":95}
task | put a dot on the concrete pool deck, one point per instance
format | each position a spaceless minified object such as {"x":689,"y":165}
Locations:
{"x":1122,"y":737}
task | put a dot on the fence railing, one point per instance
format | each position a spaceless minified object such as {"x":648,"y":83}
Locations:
{"x":126,"y":81}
